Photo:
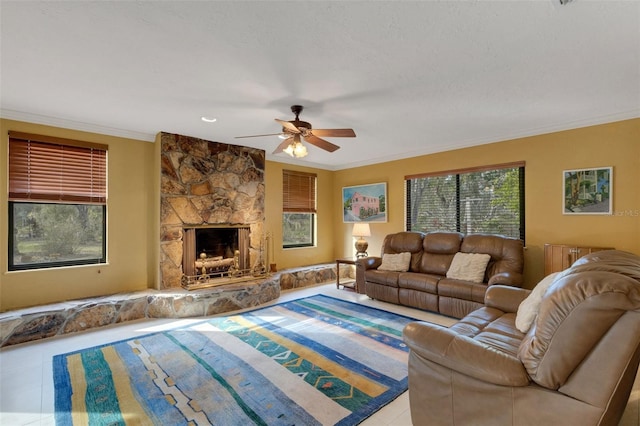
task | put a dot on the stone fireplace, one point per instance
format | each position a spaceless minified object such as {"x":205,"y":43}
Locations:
{"x":213,"y":193}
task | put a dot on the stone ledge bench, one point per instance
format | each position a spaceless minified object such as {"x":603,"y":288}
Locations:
{"x":44,"y":321}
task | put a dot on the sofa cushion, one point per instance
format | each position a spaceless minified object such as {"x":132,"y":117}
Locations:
{"x":395,"y":262}
{"x":442,"y":242}
{"x":493,"y":328}
{"x":506,"y":253}
{"x":405,"y":242}
{"x":438,"y":251}
{"x":421,"y":282}
{"x":468,"y":267}
{"x":388,"y":278}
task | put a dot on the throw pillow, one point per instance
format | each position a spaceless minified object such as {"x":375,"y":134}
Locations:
{"x":528,"y":309}
{"x":395,"y":262}
{"x":469,"y":267}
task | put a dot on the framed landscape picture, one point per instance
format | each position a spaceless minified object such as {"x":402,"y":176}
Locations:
{"x":588,"y":191}
{"x":365,"y":203}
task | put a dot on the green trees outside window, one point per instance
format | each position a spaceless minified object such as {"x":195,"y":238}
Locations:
{"x":47,"y":235}
{"x":490,"y":200}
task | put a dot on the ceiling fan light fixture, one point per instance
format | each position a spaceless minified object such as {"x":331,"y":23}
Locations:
{"x":288,"y":150}
{"x":299,"y":150}
{"x":296,"y":149}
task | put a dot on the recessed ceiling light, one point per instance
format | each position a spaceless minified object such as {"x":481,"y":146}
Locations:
{"x":208,"y":119}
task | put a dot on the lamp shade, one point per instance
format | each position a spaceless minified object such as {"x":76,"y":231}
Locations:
{"x":361,"y":230}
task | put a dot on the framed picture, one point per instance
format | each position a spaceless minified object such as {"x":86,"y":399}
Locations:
{"x":587,"y":191}
{"x":364,"y":203}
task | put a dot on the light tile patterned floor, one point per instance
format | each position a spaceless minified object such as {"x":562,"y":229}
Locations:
{"x":26,"y":377}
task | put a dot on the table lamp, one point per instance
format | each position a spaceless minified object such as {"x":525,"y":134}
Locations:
{"x":361,"y":230}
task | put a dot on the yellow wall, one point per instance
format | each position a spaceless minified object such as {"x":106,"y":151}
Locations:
{"x":133,"y":206}
{"x":131,"y":231}
{"x":546,"y":156}
{"x":323,"y":252}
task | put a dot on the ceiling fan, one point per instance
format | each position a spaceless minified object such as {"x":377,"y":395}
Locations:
{"x":293,"y":130}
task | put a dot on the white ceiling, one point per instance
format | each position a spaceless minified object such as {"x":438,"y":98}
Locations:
{"x":410,"y":78}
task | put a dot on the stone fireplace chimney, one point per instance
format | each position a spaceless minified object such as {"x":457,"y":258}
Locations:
{"x":206,"y":183}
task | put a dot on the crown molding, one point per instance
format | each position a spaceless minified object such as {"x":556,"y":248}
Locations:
{"x":75,"y":125}
{"x":502,"y":137}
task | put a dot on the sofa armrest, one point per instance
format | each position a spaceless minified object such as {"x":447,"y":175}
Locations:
{"x":505,"y":298}
{"x":362,"y":265}
{"x":371,"y":262}
{"x":464,"y":355}
{"x":514,"y":279}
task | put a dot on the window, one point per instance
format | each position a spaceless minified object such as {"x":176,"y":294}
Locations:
{"x":481,"y":200}
{"x":299,"y":209}
{"x":57,"y":202}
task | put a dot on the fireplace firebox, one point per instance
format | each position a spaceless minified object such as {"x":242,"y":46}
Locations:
{"x":215,"y":252}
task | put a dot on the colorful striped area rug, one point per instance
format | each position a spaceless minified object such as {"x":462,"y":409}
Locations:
{"x":311,"y":361}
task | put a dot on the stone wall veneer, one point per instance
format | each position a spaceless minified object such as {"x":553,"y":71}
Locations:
{"x":206,"y":183}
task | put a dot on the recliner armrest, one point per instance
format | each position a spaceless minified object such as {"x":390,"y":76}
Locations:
{"x":505,"y":298}
{"x":464,"y":355}
{"x":514,"y":279}
{"x":370,"y":262}
{"x":362,"y":265}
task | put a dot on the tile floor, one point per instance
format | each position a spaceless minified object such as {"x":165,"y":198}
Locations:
{"x":26,"y":377}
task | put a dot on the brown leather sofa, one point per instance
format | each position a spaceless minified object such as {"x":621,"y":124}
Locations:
{"x":575,"y":365}
{"x":425,"y":285}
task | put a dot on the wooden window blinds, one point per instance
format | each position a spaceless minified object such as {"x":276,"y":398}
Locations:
{"x":298,"y":192}
{"x":44,"y":168}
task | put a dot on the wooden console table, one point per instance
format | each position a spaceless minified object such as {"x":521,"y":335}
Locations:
{"x":350,"y":284}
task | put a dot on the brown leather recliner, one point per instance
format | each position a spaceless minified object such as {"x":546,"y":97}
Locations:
{"x":575,"y":366}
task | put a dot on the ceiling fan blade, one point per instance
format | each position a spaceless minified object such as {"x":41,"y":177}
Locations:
{"x":321,"y":143}
{"x":258,"y":136}
{"x":336,"y":133}
{"x":288,"y":126}
{"x":285,"y":143}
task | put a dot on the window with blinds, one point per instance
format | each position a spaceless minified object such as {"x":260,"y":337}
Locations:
{"x":486,"y":200}
{"x":299,"y":209}
{"x":54,"y":172}
{"x":57,"y":202}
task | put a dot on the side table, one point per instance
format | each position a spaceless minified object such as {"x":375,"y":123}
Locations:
{"x":350,"y":284}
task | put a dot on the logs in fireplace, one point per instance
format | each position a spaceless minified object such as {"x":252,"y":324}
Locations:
{"x":214,"y":255}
